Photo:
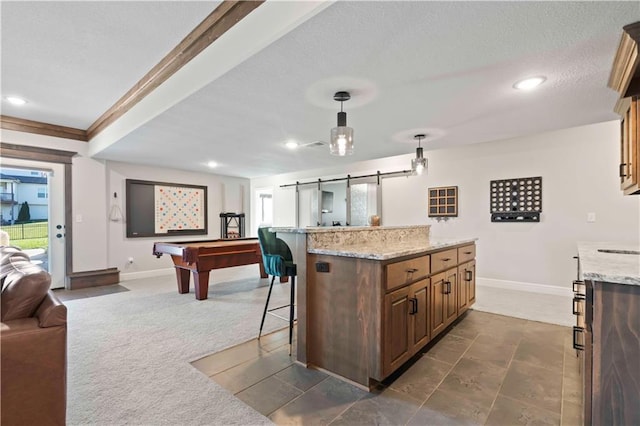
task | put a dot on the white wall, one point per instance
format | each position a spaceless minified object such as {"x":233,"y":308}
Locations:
{"x":224,"y":194}
{"x":99,"y":243}
{"x":578,"y":166}
{"x":88,"y":198}
{"x":579,"y":172}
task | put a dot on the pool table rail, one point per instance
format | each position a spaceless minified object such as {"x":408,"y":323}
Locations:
{"x":200,"y":257}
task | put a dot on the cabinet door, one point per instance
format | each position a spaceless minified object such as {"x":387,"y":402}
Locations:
{"x":471,"y":283}
{"x":397,"y":333}
{"x":629,"y":145}
{"x":463,"y":293}
{"x":420,"y":314}
{"x":438,"y":316}
{"x":451,"y":301}
{"x":466,"y":286}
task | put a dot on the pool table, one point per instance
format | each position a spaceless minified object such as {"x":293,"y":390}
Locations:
{"x":200,"y":257}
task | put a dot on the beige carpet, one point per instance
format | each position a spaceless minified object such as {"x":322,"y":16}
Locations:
{"x":129,"y":352}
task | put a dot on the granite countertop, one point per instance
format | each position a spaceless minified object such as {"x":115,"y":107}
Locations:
{"x":620,"y":268}
{"x":320,"y":229}
{"x":391,"y":250}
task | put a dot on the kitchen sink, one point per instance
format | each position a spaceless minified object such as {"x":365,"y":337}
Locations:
{"x":613,"y":251}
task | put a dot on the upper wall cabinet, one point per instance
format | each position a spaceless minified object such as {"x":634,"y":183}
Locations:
{"x":625,"y":79}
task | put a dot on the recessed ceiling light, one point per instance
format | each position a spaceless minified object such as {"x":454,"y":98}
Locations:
{"x":529,"y":83}
{"x":16,"y":100}
{"x":212,"y":164}
{"x":291,"y":144}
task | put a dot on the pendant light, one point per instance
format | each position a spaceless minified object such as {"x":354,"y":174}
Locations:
{"x":419,"y":164}
{"x":341,"y":136}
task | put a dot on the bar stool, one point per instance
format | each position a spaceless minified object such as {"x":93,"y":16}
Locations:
{"x":278,"y":262}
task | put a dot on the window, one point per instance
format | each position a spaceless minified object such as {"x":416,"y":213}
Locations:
{"x":42,"y":192}
{"x":266,"y":208}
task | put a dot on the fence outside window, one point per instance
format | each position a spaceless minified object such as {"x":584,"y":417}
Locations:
{"x":25,"y":231}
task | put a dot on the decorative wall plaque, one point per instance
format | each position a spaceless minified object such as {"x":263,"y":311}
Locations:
{"x":516,"y":200}
{"x":443,"y":201}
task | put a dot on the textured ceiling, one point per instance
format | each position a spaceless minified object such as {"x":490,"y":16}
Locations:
{"x":73,"y":60}
{"x":444,"y":68}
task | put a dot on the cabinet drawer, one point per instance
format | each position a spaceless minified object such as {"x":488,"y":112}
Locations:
{"x":402,"y":273}
{"x":466,"y":253}
{"x":444,"y":260}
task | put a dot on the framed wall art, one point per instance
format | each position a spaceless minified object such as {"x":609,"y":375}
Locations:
{"x":165,"y":209}
{"x":516,"y":200}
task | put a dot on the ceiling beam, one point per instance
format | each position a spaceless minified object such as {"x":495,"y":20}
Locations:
{"x":225,"y":16}
{"x":29,"y":126}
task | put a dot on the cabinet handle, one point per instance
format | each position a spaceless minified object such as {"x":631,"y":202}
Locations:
{"x":576,"y":284}
{"x":576,"y":331}
{"x":414,"y":306}
{"x":447,"y":289}
{"x":622,"y":173}
{"x":468,"y":252}
{"x":412,"y":270}
{"x":576,"y":303}
{"x":446,"y":259}
{"x":468,"y":275}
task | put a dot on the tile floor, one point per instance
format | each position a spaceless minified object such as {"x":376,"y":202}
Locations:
{"x":487,"y":369}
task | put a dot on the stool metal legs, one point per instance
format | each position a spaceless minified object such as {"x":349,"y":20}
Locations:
{"x":266,"y":306}
{"x":292,"y":304}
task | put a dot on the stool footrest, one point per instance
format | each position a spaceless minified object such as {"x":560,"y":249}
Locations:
{"x":282,"y":318}
{"x":279,"y":307}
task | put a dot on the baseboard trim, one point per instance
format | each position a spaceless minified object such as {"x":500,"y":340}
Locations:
{"x":522,"y":286}
{"x":146,"y":274}
{"x":86,"y":279}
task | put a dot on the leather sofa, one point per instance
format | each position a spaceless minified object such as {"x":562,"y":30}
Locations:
{"x":33,"y":344}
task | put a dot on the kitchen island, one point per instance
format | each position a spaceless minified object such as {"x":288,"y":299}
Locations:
{"x":607,"y":336}
{"x":369,"y":298}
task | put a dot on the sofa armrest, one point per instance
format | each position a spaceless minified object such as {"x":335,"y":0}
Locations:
{"x":33,"y":363}
{"x":51,"y":312}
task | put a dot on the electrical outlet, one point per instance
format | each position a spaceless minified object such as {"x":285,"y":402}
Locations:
{"x":591,"y":217}
{"x":130,"y":260}
{"x":322,"y":267}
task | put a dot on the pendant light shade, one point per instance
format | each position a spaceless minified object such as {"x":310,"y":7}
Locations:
{"x":419,"y":164}
{"x":341,"y":142}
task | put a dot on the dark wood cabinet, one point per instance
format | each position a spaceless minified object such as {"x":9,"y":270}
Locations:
{"x":629,"y":145}
{"x":406,"y":326}
{"x":365,"y":318}
{"x":438,"y":315}
{"x":397,"y":333}
{"x":420,"y":314}
{"x":466,"y":286}
{"x":609,"y":344}
{"x":444,"y":302}
{"x":451,"y":301}
{"x":625,"y":79}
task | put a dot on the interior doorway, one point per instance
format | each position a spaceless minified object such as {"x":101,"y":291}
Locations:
{"x":33,"y":212}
